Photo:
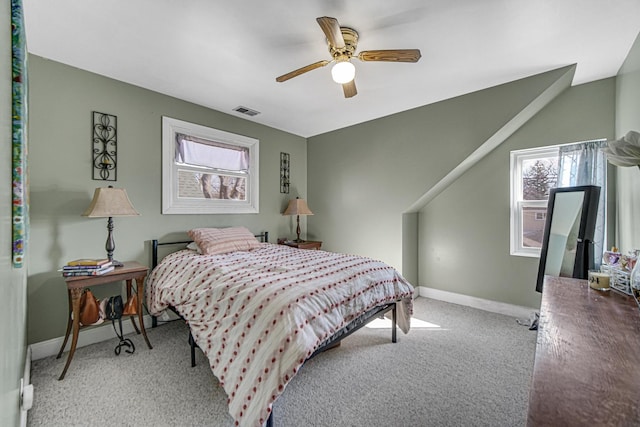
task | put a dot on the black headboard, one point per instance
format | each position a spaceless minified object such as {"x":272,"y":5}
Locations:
{"x":264,"y":237}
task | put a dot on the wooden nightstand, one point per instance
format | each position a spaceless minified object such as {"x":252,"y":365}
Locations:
{"x":309,"y":244}
{"x":129,"y":271}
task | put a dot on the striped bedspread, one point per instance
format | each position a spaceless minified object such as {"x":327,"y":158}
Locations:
{"x":258,"y":315}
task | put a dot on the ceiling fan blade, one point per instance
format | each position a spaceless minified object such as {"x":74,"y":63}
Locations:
{"x":295,"y":73}
{"x":391,"y":55}
{"x":349,"y":89}
{"x":332,"y":30}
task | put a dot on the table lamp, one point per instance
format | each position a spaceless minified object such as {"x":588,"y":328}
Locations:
{"x":109,"y":202}
{"x":298,"y":207}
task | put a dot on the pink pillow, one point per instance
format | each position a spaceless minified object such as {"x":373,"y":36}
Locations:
{"x":213,"y":241}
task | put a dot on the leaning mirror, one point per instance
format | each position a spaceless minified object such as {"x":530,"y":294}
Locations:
{"x":567,"y":245}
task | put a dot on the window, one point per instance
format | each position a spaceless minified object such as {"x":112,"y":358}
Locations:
{"x":534,"y":173}
{"x":207,"y":170}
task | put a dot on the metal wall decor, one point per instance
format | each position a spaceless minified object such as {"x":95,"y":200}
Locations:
{"x":105,"y":146}
{"x":284,"y":173}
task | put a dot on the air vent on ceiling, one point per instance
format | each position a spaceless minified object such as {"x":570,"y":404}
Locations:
{"x":247,"y":111}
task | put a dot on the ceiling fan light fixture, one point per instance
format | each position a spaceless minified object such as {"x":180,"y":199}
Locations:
{"x":343,"y":43}
{"x":343,"y":72}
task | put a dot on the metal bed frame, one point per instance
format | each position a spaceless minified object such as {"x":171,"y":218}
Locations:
{"x":331,"y":342}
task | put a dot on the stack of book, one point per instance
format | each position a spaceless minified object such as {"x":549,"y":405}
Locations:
{"x":87,"y":267}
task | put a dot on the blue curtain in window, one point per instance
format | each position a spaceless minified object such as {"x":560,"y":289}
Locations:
{"x":584,"y":163}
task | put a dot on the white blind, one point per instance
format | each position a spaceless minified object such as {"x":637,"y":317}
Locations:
{"x":212,"y":154}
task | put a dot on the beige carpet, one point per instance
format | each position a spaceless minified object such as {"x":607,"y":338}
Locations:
{"x":457,"y":367}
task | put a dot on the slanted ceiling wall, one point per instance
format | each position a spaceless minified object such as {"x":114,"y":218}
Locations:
{"x":473,"y":213}
{"x":363,"y":178}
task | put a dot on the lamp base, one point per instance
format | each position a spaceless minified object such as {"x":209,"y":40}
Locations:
{"x":116,"y":263}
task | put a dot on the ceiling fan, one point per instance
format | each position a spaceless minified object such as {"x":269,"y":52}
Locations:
{"x":343,"y":42}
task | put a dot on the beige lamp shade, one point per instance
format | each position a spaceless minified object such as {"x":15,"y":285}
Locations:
{"x":297,"y":207}
{"x":109,"y":202}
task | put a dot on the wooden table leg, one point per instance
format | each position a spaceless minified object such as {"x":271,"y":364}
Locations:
{"x":75,"y":302}
{"x":128,"y":298}
{"x":140,"y":283}
{"x":69,"y":324}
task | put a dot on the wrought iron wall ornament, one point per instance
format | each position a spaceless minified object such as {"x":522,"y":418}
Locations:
{"x":105,"y":146}
{"x":284,"y":173}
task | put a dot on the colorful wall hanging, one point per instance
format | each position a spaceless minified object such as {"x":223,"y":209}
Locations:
{"x":20,"y":206}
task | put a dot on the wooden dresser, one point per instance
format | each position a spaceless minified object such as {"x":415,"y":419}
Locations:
{"x":587,"y":361}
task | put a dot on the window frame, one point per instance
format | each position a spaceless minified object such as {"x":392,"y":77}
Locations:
{"x":517,"y":205}
{"x":172,"y":204}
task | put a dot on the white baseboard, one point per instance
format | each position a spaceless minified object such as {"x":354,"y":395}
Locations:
{"x":479,"y":303}
{"x":26,"y":381}
{"x":93,"y":335}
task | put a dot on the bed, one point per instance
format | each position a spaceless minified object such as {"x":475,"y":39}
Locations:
{"x":259,"y":310}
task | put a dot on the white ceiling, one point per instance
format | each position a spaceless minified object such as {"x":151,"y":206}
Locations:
{"x":223,"y":54}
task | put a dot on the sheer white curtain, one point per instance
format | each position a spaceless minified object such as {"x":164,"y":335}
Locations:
{"x":212,"y":154}
{"x":585,"y":163}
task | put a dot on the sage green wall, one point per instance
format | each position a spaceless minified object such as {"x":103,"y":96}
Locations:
{"x":464,"y":232}
{"x":628,"y":118}
{"x":61,"y":101}
{"x":14,"y":284}
{"x":362,"y":178}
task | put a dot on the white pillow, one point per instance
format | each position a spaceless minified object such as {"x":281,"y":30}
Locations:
{"x":194,"y":247}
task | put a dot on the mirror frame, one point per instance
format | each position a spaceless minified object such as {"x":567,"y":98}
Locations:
{"x":584,"y":247}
